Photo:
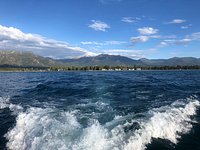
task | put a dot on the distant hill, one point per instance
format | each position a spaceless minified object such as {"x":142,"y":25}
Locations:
{"x":25,"y":59}
{"x":117,"y":60}
{"x":181,"y":61}
{"x":101,"y":60}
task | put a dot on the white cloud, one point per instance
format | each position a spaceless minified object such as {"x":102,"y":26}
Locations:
{"x":147,"y":31}
{"x":115,"y":42}
{"x":130,"y":19}
{"x":131,"y":53}
{"x":163,"y":44}
{"x":194,"y":36}
{"x":182,"y":41}
{"x":125,"y":52}
{"x":90,"y":43}
{"x":99,"y":25}
{"x":176,"y":21}
{"x":14,"y":39}
{"x":184,"y":27}
{"x":103,"y":43}
{"x":139,"y":39}
{"x":142,"y":38}
{"x":185,"y":41}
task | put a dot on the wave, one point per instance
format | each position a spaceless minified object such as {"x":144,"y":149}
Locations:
{"x":50,"y":128}
{"x":5,"y":103}
{"x":166,"y":123}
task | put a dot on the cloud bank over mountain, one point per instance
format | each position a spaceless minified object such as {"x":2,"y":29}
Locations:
{"x":14,"y":39}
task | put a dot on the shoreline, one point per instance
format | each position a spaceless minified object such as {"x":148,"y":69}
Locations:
{"x":4,"y":71}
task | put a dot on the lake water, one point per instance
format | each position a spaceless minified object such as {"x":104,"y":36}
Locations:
{"x":133,"y":110}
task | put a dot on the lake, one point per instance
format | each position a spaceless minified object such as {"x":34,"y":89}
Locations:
{"x":125,"y":110}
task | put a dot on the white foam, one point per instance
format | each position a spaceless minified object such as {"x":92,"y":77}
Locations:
{"x":5,"y":103}
{"x":43,"y":129}
{"x":165,"y":125}
{"x":96,"y":137}
{"x":52,"y":129}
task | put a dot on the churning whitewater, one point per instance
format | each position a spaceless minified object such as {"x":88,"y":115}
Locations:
{"x":50,"y":128}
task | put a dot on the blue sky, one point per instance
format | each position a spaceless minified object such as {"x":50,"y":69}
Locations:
{"x":76,"y":28}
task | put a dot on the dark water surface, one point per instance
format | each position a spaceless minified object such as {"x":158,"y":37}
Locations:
{"x":153,"y":110}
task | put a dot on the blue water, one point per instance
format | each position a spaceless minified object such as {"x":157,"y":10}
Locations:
{"x":100,"y":110}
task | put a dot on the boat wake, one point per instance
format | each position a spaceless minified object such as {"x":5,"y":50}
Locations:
{"x":51,"y":128}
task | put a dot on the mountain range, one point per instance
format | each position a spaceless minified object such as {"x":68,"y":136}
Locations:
{"x":117,"y":60}
{"x":16,"y":58}
{"x":25,"y":59}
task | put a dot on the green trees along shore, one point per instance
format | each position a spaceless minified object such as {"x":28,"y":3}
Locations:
{"x":94,"y":68}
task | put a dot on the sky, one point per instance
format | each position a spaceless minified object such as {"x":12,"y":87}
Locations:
{"x":153,"y":29}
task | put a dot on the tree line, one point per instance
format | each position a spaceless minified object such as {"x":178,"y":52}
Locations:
{"x":93,"y":68}
{"x":87,"y":68}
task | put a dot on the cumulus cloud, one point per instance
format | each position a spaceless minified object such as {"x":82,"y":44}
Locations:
{"x":14,"y":39}
{"x":99,"y":25}
{"x":176,"y":21}
{"x":147,"y":31}
{"x":103,"y":43}
{"x":130,"y":19}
